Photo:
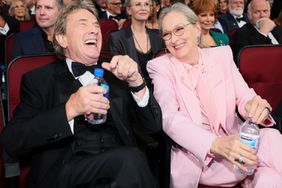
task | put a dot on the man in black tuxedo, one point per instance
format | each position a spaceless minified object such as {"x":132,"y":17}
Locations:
{"x":113,"y":11}
{"x":260,"y":30}
{"x":235,"y":17}
{"x":49,"y":123}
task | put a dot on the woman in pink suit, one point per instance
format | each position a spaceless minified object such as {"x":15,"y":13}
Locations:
{"x":199,"y":91}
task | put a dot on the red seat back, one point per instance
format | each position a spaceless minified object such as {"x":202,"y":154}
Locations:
{"x":127,"y":23}
{"x":26,"y":25}
{"x":9,"y":47}
{"x":261,"y":67}
{"x":16,"y":69}
{"x":107,"y":27}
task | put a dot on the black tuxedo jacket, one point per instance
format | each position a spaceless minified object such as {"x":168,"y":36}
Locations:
{"x":229,"y":23}
{"x":40,"y":127}
{"x":248,"y":35}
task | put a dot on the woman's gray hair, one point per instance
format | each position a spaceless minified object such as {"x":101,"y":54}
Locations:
{"x":179,"y":7}
{"x":61,"y":22}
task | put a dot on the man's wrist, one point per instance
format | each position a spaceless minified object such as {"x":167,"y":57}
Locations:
{"x":137,"y":88}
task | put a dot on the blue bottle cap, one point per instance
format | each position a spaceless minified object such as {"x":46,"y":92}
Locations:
{"x":99,"y":72}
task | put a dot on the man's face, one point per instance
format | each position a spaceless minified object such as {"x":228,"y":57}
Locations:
{"x":259,"y":9}
{"x":46,"y":13}
{"x":101,"y":3}
{"x":83,"y":39}
{"x":114,"y":6}
{"x":236,"y":7}
{"x":29,"y":3}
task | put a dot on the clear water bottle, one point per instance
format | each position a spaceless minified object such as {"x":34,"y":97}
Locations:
{"x":249,"y":134}
{"x":3,"y":82}
{"x":95,"y":118}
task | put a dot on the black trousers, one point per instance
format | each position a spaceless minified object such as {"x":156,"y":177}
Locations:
{"x":106,"y":164}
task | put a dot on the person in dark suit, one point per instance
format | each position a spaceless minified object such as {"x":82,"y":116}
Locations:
{"x":8,"y":25}
{"x":114,"y":11}
{"x":235,"y":17}
{"x":260,"y":30}
{"x":39,"y":39}
{"x":137,"y":41}
{"x":49,"y":123}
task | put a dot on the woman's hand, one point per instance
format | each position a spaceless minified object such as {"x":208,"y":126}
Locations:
{"x":258,"y":109}
{"x":237,"y":152}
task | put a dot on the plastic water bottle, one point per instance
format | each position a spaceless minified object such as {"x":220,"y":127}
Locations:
{"x":249,"y":134}
{"x":3,"y":82}
{"x":95,"y":118}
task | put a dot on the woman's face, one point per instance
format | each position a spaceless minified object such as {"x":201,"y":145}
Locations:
{"x":154,"y":8}
{"x":206,"y":20}
{"x":222,"y":5}
{"x":19,"y":9}
{"x":139,"y":9}
{"x":181,"y":35}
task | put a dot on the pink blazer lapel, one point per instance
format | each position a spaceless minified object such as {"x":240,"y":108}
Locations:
{"x":215,"y":78}
{"x":187,"y":93}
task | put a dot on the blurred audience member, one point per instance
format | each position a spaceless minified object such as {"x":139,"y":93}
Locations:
{"x":38,"y":40}
{"x":235,"y":17}
{"x":8,"y":25}
{"x":275,"y":8}
{"x":278,"y":20}
{"x":19,"y":11}
{"x":166,"y":3}
{"x":206,"y":12}
{"x":260,"y":30}
{"x":100,"y":6}
{"x":222,"y":7}
{"x":152,"y":22}
{"x":114,"y":12}
{"x":30,"y":4}
{"x":137,"y":41}
{"x":5,"y":7}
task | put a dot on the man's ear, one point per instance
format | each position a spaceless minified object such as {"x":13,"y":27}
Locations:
{"x":61,"y":39}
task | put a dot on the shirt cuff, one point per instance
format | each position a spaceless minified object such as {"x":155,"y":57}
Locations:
{"x":144,"y":101}
{"x":4,"y":30}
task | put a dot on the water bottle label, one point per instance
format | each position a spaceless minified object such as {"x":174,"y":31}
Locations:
{"x":251,"y":140}
{"x":106,"y":86}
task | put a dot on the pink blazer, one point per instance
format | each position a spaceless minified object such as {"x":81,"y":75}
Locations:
{"x":182,"y":117}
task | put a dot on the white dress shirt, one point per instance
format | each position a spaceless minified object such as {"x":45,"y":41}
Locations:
{"x":88,"y":78}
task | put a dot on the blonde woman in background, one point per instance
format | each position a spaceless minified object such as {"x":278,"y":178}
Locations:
{"x":19,"y":11}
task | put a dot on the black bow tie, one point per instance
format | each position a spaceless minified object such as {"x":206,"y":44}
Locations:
{"x":79,"y":69}
{"x":240,"y":19}
{"x":114,"y":17}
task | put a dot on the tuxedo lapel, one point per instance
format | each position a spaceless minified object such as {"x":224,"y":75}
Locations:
{"x":118,"y":107}
{"x":65,"y":83}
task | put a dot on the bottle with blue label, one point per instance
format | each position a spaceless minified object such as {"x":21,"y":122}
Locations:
{"x":249,"y":134}
{"x":99,"y":118}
